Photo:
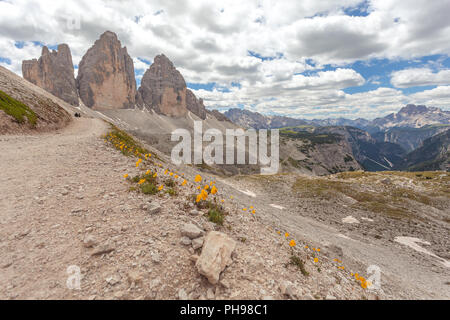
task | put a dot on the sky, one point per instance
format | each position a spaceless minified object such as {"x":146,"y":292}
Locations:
{"x":300,"y":58}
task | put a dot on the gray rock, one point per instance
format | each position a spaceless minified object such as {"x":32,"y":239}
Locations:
{"x":185,"y":241}
{"x":89,"y":241}
{"x":191,"y":231}
{"x":182,"y":295}
{"x":154,"y":208}
{"x":216,"y":255}
{"x":197,"y":243}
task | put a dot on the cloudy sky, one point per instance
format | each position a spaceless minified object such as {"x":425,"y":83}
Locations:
{"x":302,"y":58}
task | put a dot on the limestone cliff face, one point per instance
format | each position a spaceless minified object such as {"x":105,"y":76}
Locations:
{"x":54,"y":73}
{"x":164,"y":90}
{"x":106,"y":75}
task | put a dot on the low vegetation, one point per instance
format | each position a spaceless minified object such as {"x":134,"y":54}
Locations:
{"x":297,"y":262}
{"x":17,"y":109}
{"x":388,"y":193}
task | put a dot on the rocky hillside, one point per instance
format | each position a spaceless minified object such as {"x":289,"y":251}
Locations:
{"x":248,"y":119}
{"x":26,"y":108}
{"x":106,"y":75}
{"x":409,"y":138}
{"x":54,"y":73}
{"x":371,"y":154}
{"x":315,"y":153}
{"x":434,"y":154}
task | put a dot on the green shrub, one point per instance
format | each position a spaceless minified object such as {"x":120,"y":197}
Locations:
{"x":149,"y":188}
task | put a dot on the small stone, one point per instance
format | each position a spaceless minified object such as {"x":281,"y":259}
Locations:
{"x":103,"y":249}
{"x":182,"y":295}
{"x":154,"y":208}
{"x":89,"y":241}
{"x":113,"y":280}
{"x":156,"y":258}
{"x":330,"y":297}
{"x":194,"y":258}
{"x":195,"y":212}
{"x":287,"y":289}
{"x":210,"y":294}
{"x":197,"y":243}
{"x":185,"y":241}
{"x":134,"y":277}
{"x":191,"y":231}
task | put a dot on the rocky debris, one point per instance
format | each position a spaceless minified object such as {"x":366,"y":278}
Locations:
{"x":154,"y":208}
{"x":182,"y":295}
{"x":106,"y":77}
{"x":156,"y":258}
{"x":215,"y":256}
{"x":330,"y":297}
{"x":288,"y":289}
{"x":54,"y":73}
{"x":191,"y":231}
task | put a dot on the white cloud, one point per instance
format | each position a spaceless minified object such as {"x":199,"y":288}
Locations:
{"x":209,"y":41}
{"x":417,"y":77}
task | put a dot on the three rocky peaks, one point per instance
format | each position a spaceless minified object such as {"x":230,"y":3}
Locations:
{"x":106,"y":80}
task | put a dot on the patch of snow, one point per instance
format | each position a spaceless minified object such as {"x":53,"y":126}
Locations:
{"x":248,"y":193}
{"x":343,"y":236}
{"x":390,"y":163}
{"x":350,"y":220}
{"x":277,"y":207}
{"x":413,"y":243}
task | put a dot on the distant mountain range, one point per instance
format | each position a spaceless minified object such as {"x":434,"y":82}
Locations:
{"x":389,"y":143}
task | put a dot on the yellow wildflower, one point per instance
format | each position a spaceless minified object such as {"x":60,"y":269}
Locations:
{"x":198,"y":178}
{"x":142,"y":181}
{"x":184,"y":183}
{"x":207,"y":187}
{"x":199,"y":198}
{"x":245,"y":209}
{"x":171,"y":174}
{"x":286,"y":235}
{"x":292,"y":243}
{"x":148,"y":172}
{"x":160,"y":187}
{"x":126,"y":176}
{"x":316,"y":260}
{"x":155,"y":175}
{"x":165,"y":172}
{"x":213,"y":190}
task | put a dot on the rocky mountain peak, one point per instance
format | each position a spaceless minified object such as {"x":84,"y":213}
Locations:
{"x":163,"y":89}
{"x":106,"y":77}
{"x":54,"y":73}
{"x":411,"y":109}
